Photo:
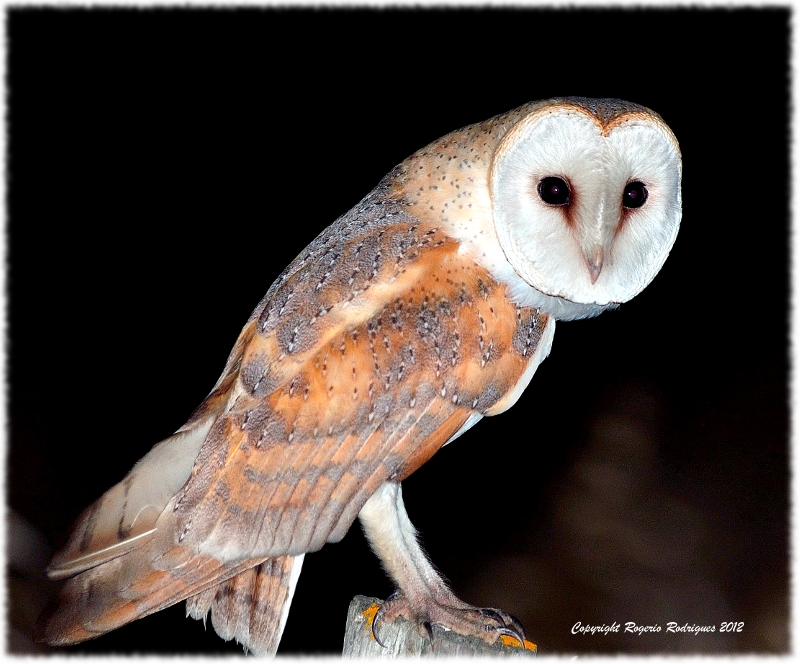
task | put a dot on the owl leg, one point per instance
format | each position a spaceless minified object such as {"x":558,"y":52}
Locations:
{"x":422,"y":595}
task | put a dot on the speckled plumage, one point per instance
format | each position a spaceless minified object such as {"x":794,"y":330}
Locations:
{"x":354,"y":398}
{"x":396,"y":329}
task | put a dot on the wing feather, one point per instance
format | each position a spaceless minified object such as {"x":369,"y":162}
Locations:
{"x":124,"y":518}
{"x":371,"y":351}
{"x":359,"y":397}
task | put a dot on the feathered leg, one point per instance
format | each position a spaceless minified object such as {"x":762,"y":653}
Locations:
{"x":423,"y":596}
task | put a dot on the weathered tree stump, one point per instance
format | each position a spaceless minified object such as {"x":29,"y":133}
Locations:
{"x":402,"y":639}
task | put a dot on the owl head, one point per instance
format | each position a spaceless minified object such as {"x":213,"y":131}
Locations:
{"x":586,"y":200}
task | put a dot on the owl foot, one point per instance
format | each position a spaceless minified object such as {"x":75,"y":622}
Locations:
{"x":450,"y":613}
{"x":423,"y":597}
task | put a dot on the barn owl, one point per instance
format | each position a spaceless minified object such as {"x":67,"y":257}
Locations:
{"x":425,"y":308}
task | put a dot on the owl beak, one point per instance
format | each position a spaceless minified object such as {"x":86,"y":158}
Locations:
{"x":594,"y":261}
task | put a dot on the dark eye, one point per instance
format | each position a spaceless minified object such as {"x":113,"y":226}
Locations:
{"x":554,"y":191}
{"x":634,"y":196}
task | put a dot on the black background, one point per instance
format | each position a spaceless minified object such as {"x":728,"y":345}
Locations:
{"x":165,"y":166}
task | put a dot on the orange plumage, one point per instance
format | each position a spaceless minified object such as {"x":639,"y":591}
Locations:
{"x":318,"y":407}
{"x":426,"y":307}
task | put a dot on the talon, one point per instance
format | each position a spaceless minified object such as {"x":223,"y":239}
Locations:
{"x":509,"y":631}
{"x":491,"y":613}
{"x":516,"y":624}
{"x":509,"y":625}
{"x":374,"y":626}
{"x":429,"y":629}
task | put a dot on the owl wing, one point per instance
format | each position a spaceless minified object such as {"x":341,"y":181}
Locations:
{"x":414,"y":343}
{"x":372,"y":350}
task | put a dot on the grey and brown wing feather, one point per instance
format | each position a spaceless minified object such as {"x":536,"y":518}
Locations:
{"x":354,"y":370}
{"x":331,"y":406}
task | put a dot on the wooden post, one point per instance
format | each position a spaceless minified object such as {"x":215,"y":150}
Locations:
{"x":402,"y":639}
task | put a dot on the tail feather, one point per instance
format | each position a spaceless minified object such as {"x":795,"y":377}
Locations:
{"x":252,"y":606}
{"x":125,"y":517}
{"x":131,"y":586}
